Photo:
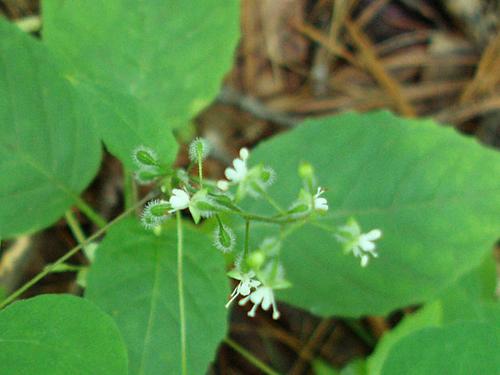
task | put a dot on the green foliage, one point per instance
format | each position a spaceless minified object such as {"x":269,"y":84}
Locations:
{"x":48,"y":150}
{"x":434,"y":193}
{"x":129,"y":73}
{"x":322,"y":368}
{"x":461,"y":348}
{"x":168,"y":56}
{"x":471,"y":299}
{"x":59,"y":335}
{"x":134,"y":278}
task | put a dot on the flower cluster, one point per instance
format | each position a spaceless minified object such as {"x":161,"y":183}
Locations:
{"x":259,"y":276}
{"x":258,"y":272}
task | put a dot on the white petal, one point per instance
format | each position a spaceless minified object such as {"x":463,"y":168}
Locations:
{"x":180,"y":193}
{"x":366,"y":244}
{"x":244,"y":153}
{"x":267,"y":299}
{"x":230,"y":174}
{"x":244,"y":289}
{"x":321,"y":204}
{"x":223,"y":185}
{"x":240,"y":168}
{"x":254,"y":283}
{"x":373,"y":235}
{"x":364,"y":260}
{"x":243,"y":301}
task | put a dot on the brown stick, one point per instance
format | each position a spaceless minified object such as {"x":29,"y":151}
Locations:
{"x":376,"y":68}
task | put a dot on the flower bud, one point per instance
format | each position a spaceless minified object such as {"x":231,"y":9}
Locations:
{"x":198,"y":149}
{"x":267,"y":176}
{"x":155,"y":212}
{"x":306,"y":173}
{"x":147,"y":175}
{"x":159,"y":208}
{"x":224,"y":238}
{"x":144,"y":156}
{"x":256,"y":259}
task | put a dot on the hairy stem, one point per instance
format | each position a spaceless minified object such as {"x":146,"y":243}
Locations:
{"x":48,"y":269}
{"x":200,"y":172}
{"x":180,"y":284}
{"x":247,"y":237}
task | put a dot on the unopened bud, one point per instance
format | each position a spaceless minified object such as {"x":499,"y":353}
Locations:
{"x":256,"y":259}
{"x":198,"y":149}
{"x":224,"y":238}
{"x":147,"y":175}
{"x":144,"y":156}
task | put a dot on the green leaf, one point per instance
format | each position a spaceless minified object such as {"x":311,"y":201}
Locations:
{"x":320,"y":367}
{"x":428,"y":316}
{"x":461,"y":348}
{"x":170,"y":56}
{"x":124,"y":123}
{"x":48,"y":150}
{"x":434,"y":193}
{"x":59,"y":335}
{"x":469,"y":299}
{"x":134,"y":278}
{"x":356,"y":367}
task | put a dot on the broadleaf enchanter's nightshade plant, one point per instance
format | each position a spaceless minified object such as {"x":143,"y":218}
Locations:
{"x":259,"y":271}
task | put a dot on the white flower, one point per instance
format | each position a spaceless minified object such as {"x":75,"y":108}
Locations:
{"x":245,"y":285}
{"x":179,"y":200}
{"x":320,"y":203}
{"x":362,"y":245}
{"x":263,"y":296}
{"x":239,"y":170}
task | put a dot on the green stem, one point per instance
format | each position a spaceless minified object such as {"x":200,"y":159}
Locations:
{"x":74,"y":226}
{"x":271,"y":201}
{"x":180,"y":284}
{"x":65,"y":257}
{"x":130,"y":190}
{"x":267,"y":219}
{"x":200,"y":172}
{"x":90,"y":213}
{"x":247,"y":237}
{"x":251,"y":358}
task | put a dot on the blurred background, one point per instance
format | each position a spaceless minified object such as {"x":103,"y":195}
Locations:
{"x":299,"y":59}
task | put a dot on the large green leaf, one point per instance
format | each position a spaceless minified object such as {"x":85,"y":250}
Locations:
{"x":59,"y":335}
{"x":459,"y":349}
{"x":134,"y":278}
{"x":469,"y":299}
{"x":434,"y":193}
{"x":169,"y":55}
{"x":48,"y":150}
{"x":124,"y":124}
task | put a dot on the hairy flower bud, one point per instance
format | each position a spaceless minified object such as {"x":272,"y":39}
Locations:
{"x":147,"y":175}
{"x":145,"y":156}
{"x":224,"y":238}
{"x":199,"y":149}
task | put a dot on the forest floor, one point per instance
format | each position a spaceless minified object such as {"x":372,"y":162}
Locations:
{"x":299,"y":59}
